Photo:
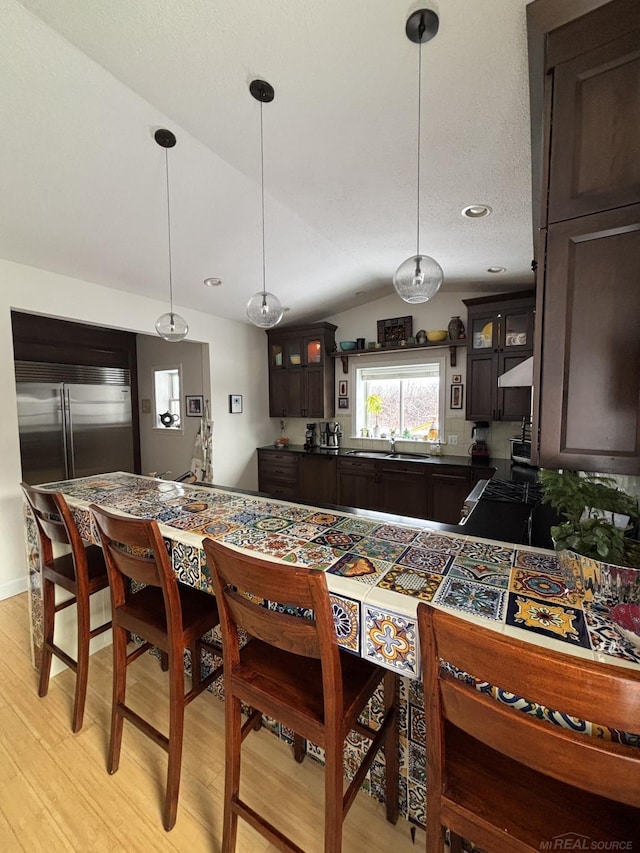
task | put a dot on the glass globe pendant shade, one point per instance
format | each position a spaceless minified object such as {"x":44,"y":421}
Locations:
{"x":264,"y":310}
{"x":418,"y":279}
{"x":172,"y":327}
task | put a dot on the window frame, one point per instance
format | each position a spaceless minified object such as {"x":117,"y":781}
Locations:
{"x":364,"y":362}
{"x":174,"y":428}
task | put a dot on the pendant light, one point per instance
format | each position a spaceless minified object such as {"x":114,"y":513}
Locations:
{"x":263,"y":309}
{"x":419,"y":277}
{"x":171,"y":326}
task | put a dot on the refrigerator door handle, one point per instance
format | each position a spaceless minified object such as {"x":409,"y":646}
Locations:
{"x":67,"y":432}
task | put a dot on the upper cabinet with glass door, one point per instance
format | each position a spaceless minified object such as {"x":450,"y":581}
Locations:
{"x":498,"y":324}
{"x":297,"y":352}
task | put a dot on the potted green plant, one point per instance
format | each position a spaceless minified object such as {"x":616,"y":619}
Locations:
{"x":374,"y":407}
{"x":598,"y":516}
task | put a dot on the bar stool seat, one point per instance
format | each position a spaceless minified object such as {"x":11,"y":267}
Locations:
{"x":292,"y":669}
{"x":82,"y":572}
{"x":165,"y":614}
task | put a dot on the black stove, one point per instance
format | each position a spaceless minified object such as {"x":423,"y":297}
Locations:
{"x":508,"y":491}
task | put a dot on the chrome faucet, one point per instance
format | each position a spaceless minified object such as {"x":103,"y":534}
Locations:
{"x":392,"y":441}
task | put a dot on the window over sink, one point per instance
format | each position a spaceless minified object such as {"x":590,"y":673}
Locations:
{"x":407,"y":399}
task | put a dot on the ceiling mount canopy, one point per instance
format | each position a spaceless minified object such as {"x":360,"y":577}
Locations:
{"x":172,"y":327}
{"x":419,"y":277}
{"x":263,"y":309}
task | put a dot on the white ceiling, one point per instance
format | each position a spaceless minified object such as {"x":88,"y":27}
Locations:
{"x":84,"y":85}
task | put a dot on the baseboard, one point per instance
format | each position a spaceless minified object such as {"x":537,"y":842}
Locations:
{"x":11,"y":588}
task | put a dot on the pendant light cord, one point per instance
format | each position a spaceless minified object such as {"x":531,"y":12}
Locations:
{"x":166,"y":165}
{"x":264,"y":278}
{"x":421,"y":33}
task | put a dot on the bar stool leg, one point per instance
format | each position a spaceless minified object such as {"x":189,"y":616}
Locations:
{"x":391,"y":749}
{"x":233,"y":742}
{"x":119,"y":691}
{"x":82,"y":662}
{"x":48,"y":610}
{"x":176,"y":731}
{"x":333,"y":793}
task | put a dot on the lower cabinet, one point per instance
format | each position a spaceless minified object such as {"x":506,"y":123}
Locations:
{"x":414,"y":489}
{"x":447,"y":492}
{"x":317,"y":479}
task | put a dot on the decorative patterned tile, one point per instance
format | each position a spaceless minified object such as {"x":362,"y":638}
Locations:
{"x":606,"y":639}
{"x":475,"y":598}
{"x":216,"y":529}
{"x":276,"y":545}
{"x":389,"y":639}
{"x":535,"y":562}
{"x":396,"y":533}
{"x":379,"y":549}
{"x":244,"y":516}
{"x":487,"y":552}
{"x":353,"y":524}
{"x":428,"y":561}
{"x":243,"y":537}
{"x":551,"y":620}
{"x":334,"y":538}
{"x":315,"y":556}
{"x":304,"y":530}
{"x":326,"y":519}
{"x":413,"y":582}
{"x":271,"y":523}
{"x":346,"y":618}
{"x":492,"y":574}
{"x":433,"y":541}
{"x":359,"y":568}
{"x":547,"y":587}
{"x":187,"y":562}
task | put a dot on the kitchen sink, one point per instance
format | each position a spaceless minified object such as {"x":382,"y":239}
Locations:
{"x":408,"y":456}
{"x":384,"y":454}
{"x":369,"y":454}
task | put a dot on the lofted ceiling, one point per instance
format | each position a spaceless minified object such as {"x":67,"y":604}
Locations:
{"x":85,"y":85}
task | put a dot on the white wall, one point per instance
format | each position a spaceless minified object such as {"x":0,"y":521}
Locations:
{"x":237,"y":365}
{"x":161,"y":449}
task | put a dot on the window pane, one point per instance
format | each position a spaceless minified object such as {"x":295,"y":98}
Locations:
{"x":166,"y":386}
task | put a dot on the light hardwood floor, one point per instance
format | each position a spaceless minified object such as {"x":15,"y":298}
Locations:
{"x":56,"y":795}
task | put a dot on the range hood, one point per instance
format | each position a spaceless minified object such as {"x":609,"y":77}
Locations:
{"x":521,"y":374}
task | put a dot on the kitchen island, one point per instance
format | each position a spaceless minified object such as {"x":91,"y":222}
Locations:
{"x":378,"y":569}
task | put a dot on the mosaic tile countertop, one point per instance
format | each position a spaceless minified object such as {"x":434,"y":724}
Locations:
{"x":377,"y":571}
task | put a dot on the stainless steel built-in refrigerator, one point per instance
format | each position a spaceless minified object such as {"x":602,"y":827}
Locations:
{"x":74,"y":421}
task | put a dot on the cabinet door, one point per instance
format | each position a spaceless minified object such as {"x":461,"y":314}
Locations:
{"x":513,"y":404}
{"x":515,"y":330}
{"x":595,"y":164}
{"x":590,"y":390}
{"x":314,"y":392}
{"x":278,"y":394}
{"x":403,"y":490}
{"x":482,"y":332}
{"x":317,"y":479}
{"x":447,"y":492}
{"x":482,"y":387}
{"x":357,"y":484}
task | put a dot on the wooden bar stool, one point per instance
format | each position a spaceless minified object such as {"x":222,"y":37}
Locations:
{"x":82,"y":573}
{"x":164,"y":614}
{"x":507,"y":781}
{"x":293,"y":670}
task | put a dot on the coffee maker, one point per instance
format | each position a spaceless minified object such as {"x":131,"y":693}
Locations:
{"x":334,"y":434}
{"x":310,"y":437}
{"x":479,"y":450}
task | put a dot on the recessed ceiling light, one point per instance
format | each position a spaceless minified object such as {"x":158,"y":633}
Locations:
{"x":496,"y":269}
{"x":476,"y":211}
{"x":212,"y":282}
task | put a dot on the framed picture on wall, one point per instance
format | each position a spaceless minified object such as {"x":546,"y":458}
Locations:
{"x":456,"y":378}
{"x":194,"y":406}
{"x":235,"y":404}
{"x":343,"y":402}
{"x":342,"y":388}
{"x":456,"y":396}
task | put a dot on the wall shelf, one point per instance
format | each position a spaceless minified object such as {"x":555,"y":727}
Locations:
{"x":356,"y":353}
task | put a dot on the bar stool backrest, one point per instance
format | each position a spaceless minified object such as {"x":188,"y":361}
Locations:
{"x":135,"y":550}
{"x":55,"y":523}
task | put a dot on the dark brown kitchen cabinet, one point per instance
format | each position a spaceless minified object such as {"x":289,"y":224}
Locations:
{"x":317,"y":479}
{"x":500,"y":336}
{"x":402,"y":489}
{"x":301,"y":373}
{"x":584,"y":80}
{"x":278,"y":473}
{"x":447,"y":490}
{"x":356,"y":483}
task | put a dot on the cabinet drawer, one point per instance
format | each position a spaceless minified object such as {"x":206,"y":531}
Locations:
{"x":276,"y":489}
{"x":278,"y":466}
{"x":357,"y":464}
{"x":406,"y":467}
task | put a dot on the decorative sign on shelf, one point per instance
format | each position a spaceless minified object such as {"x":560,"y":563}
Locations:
{"x":394,"y":330}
